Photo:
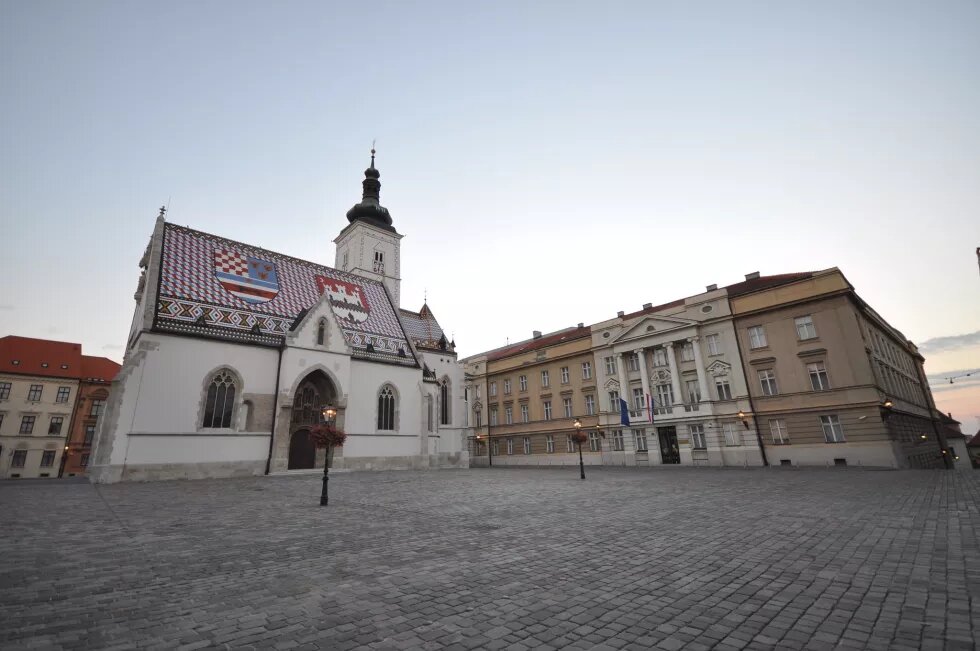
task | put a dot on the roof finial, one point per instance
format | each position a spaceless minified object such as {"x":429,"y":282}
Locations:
{"x":372,"y":153}
{"x":425,"y":296}
{"x":163,"y":211}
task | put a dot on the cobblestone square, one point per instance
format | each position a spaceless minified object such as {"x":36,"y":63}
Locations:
{"x":679,"y":558}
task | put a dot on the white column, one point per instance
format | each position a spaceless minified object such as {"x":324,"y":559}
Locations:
{"x":702,"y":381}
{"x":675,"y":376}
{"x":644,"y":378}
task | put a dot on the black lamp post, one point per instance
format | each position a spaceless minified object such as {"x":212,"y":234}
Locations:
{"x":329,"y":414}
{"x":578,"y":440}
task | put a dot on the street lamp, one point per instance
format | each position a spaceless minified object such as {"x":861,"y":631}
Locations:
{"x":329,"y":414}
{"x":579,"y":437}
{"x":741,"y":417}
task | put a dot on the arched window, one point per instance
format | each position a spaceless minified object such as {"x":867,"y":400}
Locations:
{"x":386,"y":409}
{"x":429,"y":414}
{"x":220,"y":400}
{"x":321,"y":332}
{"x":445,"y":405}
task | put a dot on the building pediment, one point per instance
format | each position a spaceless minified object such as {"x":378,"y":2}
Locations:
{"x":611,"y":384}
{"x":718,"y":367}
{"x":653,"y":325}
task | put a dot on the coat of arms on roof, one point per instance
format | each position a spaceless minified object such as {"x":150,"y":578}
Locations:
{"x":253,"y":280}
{"x":347,"y":299}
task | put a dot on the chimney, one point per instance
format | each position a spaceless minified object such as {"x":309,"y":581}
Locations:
{"x":581,"y":325}
{"x":647,"y":306}
{"x":620,"y":314}
{"x":711,"y":288}
{"x":537,"y":334}
{"x":752,"y":276}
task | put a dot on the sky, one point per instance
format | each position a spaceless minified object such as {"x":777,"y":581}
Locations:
{"x":549,"y":163}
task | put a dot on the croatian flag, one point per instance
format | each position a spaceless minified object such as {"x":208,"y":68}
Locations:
{"x":251,"y":279}
{"x":624,"y":413}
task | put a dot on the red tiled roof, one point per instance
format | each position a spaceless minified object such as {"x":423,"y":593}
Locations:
{"x":766,"y":282}
{"x":52,"y":359}
{"x":654,"y":308}
{"x":100,"y":368}
{"x":542,"y":342}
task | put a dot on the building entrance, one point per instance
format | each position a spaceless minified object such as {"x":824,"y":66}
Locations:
{"x":669,"y":451}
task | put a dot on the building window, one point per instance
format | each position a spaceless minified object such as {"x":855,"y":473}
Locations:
{"x":547,"y":410}
{"x":523,"y":381}
{"x":379,"y":262}
{"x":724,"y":389}
{"x":805,"y":328}
{"x":697,"y":437}
{"x":346,"y":257}
{"x":89,"y":434}
{"x":508,"y":415}
{"x":218,"y":406}
{"x":832,"y":430}
{"x":63,"y":393}
{"x":525,"y":415}
{"x":614,"y":401}
{"x":732,"y":435}
{"x":386,"y":409}
{"x":4,"y":390}
{"x":665,"y":395}
{"x":545,"y":379}
{"x":586,"y":370}
{"x":569,"y":444}
{"x":768,"y":381}
{"x":507,"y":386}
{"x":527,"y":445}
{"x":47,"y":458}
{"x":566,"y":404}
{"x":777,"y":428}
{"x":757,"y":337}
{"x":54,"y":427}
{"x":818,"y":376}
{"x":27,"y":424}
{"x":610,"y":365}
{"x":549,"y":442}
{"x":35,"y":392}
{"x":714,"y":345}
{"x":493,"y":416}
{"x":693,"y":391}
{"x":496,"y":447}
{"x":1,"y":421}
{"x":510,"y":446}
{"x":84,"y":461}
{"x":633,"y":362}
{"x":640,"y":440}
{"x":321,"y":331}
{"x":564,"y":375}
{"x":617,"y":440}
{"x":687,"y":352}
{"x":659,"y":357}
{"x":594,"y":444}
{"x":19,"y":459}
{"x":493,"y":389}
{"x":445,"y":403}
{"x":638,"y":400}
{"x":590,"y":405}
{"x":98,"y":406}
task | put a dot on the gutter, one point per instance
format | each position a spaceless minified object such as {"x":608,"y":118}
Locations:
{"x":275,"y":409}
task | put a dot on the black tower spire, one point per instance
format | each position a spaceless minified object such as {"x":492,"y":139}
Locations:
{"x":370,"y":210}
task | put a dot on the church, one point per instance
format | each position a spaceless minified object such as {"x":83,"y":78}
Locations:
{"x":235,"y":352}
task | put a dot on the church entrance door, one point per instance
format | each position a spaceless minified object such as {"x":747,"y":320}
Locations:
{"x":302,"y":452}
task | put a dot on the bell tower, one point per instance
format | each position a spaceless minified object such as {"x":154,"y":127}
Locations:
{"x":369,"y":245}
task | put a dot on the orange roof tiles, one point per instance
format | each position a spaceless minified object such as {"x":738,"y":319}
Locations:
{"x":47,"y":358}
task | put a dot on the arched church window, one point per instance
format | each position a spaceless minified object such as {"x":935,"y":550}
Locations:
{"x":445,"y":406}
{"x":429,"y":414}
{"x":321,"y":332}
{"x":379,"y":262}
{"x":220,"y":400}
{"x":386,"y":409}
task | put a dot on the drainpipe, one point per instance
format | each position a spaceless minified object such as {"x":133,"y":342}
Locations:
{"x":275,"y":410}
{"x":755,"y":418}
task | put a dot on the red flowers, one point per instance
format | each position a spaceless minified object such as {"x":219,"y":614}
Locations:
{"x":578,"y":436}
{"x":327,"y":436}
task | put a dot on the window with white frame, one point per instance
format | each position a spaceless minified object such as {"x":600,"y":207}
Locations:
{"x":610,"y":365}
{"x":63,"y":393}
{"x":523,"y":382}
{"x":386,"y":409}
{"x":665,"y":395}
{"x":219,"y":401}
{"x":660,"y":357}
{"x":638,"y":399}
{"x":594,"y":443}
{"x":818,"y":376}
{"x":777,"y":429}
{"x":569,"y":443}
{"x":510,"y":446}
{"x":832,"y":430}
{"x":757,"y":337}
{"x":4,"y":390}
{"x":586,"y":370}
{"x":545,"y":379}
{"x":34,"y":394}
{"x":590,"y":405}
{"x":525,"y":414}
{"x":564,"y":375}
{"x":493,"y":415}
{"x":692,"y":391}
{"x":732,"y":435}
{"x":805,"y":328}
{"x":723,"y":388}
{"x":687,"y":352}
{"x":633,"y":361}
{"x":566,"y":404}
{"x":506,"y":386}
{"x":54,"y":427}
{"x":549,"y":442}
{"x":479,"y":418}
{"x":614,"y":401}
{"x":640,"y":440}
{"x":493,"y":389}
{"x":617,"y":440}
{"x":496,"y":447}
{"x":527,"y":445}
{"x":767,"y":379}
{"x":508,"y":415}
{"x":27,"y":424}
{"x":714,"y":344}
{"x":547,"y":409}
{"x":697,"y":437}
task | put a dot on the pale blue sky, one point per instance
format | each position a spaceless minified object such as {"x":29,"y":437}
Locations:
{"x":549,"y":163}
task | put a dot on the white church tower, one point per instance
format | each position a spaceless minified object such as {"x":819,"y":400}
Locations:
{"x":370,"y":246}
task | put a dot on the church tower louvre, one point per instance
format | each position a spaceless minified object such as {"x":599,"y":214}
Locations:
{"x":369,"y":245}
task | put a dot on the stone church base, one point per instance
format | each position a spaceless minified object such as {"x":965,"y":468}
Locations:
{"x":415,"y":462}
{"x":165,"y":471}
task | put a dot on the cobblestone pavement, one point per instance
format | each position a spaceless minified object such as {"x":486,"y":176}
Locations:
{"x":494,"y":559}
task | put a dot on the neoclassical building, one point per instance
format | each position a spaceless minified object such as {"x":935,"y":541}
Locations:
{"x":235,"y":351}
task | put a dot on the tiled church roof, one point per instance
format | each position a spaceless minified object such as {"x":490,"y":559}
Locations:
{"x":423,"y":328}
{"x":215,"y":287}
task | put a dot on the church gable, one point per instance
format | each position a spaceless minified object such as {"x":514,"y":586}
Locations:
{"x":319,"y":327}
{"x":220,"y":288}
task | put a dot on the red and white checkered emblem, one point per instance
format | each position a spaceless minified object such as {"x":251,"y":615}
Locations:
{"x":231,"y":262}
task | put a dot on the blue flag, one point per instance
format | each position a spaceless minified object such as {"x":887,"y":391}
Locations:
{"x":624,"y":413}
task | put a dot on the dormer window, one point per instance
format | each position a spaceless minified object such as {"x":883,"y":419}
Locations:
{"x":379,"y":262}
{"x":321,"y":332}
